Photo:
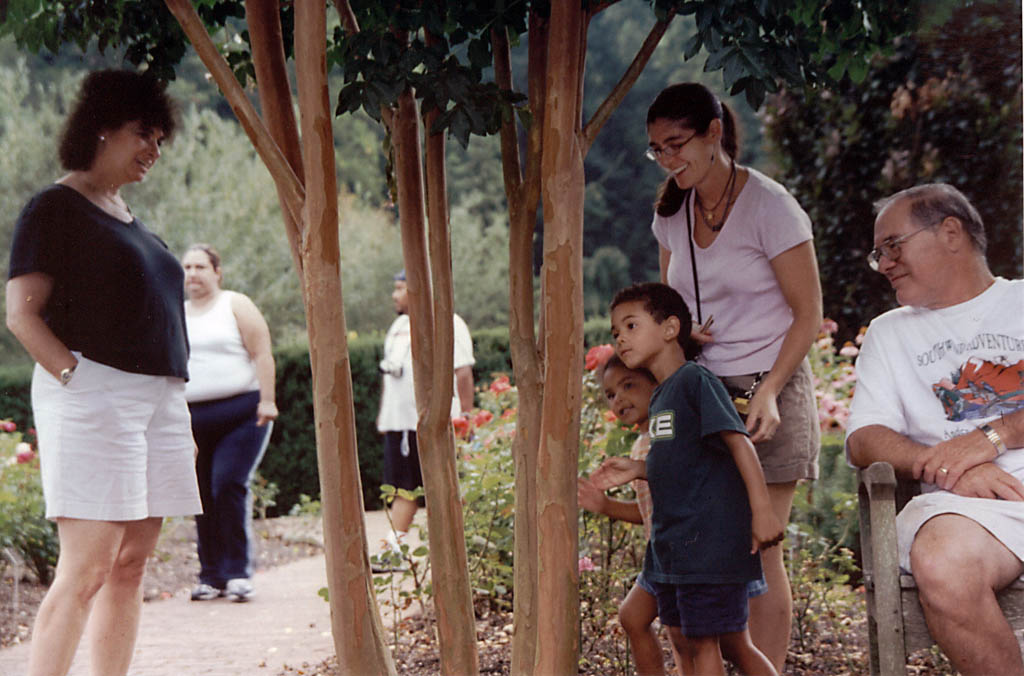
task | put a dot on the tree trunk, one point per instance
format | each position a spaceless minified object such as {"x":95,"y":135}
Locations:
{"x":523,"y":195}
{"x":356,"y":627}
{"x":431,"y":326}
{"x":289,"y":187}
{"x":355,"y":619}
{"x":266,"y":38}
{"x":562,"y":183}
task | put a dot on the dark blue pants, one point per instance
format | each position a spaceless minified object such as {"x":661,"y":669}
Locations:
{"x":230,"y":447}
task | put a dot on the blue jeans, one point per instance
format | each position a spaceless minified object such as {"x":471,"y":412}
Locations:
{"x":230,"y":448}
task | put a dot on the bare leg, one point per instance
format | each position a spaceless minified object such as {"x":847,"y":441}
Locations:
{"x":88,"y":550}
{"x":740,"y":650}
{"x":637,"y":612}
{"x":707,"y":655}
{"x":958,"y":566}
{"x":681,"y":652}
{"x":114,"y":625}
{"x":771,"y":614}
{"x":402,"y":513}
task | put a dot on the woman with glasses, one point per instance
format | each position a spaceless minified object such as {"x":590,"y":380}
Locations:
{"x":739,"y":249}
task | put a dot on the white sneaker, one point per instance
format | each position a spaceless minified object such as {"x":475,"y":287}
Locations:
{"x":239,"y":590}
{"x":389,"y":557}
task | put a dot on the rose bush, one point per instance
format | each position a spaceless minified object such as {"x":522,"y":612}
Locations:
{"x":24,"y":530}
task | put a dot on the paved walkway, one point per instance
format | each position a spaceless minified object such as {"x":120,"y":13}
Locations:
{"x":285,"y":625}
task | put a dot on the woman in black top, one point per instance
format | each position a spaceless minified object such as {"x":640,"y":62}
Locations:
{"x":97,"y":300}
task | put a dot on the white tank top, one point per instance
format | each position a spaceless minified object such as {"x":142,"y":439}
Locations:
{"x":218,"y":365}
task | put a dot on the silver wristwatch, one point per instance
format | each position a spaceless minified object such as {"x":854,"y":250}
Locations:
{"x":66,"y":374}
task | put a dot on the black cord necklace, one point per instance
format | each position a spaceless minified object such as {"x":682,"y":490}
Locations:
{"x":709,"y":214}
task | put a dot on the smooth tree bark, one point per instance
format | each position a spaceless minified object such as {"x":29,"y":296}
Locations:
{"x":357,"y":630}
{"x":522,"y":190}
{"x":355,"y":619}
{"x":562,"y":186}
{"x":545,"y":634}
{"x":428,"y":279}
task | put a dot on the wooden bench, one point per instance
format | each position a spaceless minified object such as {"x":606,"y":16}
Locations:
{"x":896,"y":625}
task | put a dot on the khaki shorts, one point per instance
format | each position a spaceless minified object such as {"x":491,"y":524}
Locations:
{"x":792,"y":453}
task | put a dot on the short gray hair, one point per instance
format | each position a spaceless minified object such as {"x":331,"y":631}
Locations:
{"x":931,"y":203}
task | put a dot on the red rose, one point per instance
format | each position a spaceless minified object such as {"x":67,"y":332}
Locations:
{"x":461,"y":425}
{"x":8,"y":426}
{"x":597,"y":356}
{"x":482,"y":418}
{"x":500,"y":384}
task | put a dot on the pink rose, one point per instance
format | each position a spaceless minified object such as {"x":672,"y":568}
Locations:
{"x":500,"y":384}
{"x":24,"y":453}
{"x":586,"y":563}
{"x":8,"y":426}
{"x":828,"y":327}
{"x":598,"y":356}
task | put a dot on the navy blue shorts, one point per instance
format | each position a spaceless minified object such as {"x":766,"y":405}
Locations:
{"x":402,"y":460}
{"x":702,"y":609}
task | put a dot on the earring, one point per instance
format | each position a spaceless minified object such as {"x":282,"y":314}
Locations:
{"x":103,"y":139}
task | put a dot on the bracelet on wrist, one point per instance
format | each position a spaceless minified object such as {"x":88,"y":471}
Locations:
{"x":993,"y":438}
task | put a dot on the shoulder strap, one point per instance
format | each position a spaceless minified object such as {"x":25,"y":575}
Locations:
{"x":693,"y":254}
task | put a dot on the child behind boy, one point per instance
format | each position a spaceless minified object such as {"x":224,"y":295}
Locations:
{"x":711,"y":510}
{"x":628,"y":392}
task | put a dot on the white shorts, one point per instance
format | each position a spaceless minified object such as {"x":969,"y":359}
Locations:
{"x":1004,"y":519}
{"x":113,"y":445}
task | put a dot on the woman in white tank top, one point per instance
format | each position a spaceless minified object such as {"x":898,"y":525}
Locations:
{"x":231,"y":397}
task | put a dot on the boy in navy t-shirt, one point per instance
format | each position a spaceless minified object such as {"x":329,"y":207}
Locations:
{"x":711,"y":508}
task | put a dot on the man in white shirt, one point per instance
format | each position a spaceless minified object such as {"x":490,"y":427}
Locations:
{"x":398,"y":415}
{"x":940,"y":396}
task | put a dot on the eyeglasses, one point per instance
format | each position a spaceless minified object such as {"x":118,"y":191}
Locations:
{"x":890,"y":248}
{"x":670,"y":150}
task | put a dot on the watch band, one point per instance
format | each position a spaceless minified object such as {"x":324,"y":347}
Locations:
{"x":994,"y":438}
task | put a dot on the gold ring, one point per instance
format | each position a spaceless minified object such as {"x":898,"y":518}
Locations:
{"x":944,"y":470}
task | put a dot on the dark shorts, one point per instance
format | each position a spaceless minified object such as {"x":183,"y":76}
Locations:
{"x":792,"y":452}
{"x":702,"y":609}
{"x":402,"y":460}
{"x":754,"y":587}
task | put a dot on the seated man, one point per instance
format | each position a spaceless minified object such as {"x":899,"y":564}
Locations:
{"x":940,"y":396}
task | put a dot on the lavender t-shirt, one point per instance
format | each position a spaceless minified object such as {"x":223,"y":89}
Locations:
{"x":737,"y":283}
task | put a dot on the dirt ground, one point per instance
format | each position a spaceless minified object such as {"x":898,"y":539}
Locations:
{"x":834,"y":647}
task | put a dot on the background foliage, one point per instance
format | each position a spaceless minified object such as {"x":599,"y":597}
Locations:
{"x":944,"y":106}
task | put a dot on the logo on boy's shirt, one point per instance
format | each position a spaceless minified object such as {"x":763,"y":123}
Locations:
{"x":980,"y":389}
{"x":663,"y":425}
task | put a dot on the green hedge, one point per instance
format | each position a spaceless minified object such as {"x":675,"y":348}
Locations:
{"x":290,"y":461}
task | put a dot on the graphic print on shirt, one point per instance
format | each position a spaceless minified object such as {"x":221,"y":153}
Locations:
{"x":981,"y":389}
{"x":662,"y":426}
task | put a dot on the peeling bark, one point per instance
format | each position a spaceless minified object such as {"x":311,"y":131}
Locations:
{"x":430,"y":311}
{"x":263,"y":18}
{"x":562,"y":184}
{"x":355,"y":620}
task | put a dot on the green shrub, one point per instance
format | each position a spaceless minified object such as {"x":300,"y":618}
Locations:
{"x":16,"y":395}
{"x":942,"y":106}
{"x":24,"y":527}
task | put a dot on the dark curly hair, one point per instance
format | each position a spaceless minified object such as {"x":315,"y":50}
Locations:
{"x":107,"y":100}
{"x":694,"y":106}
{"x":661,"y":302}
